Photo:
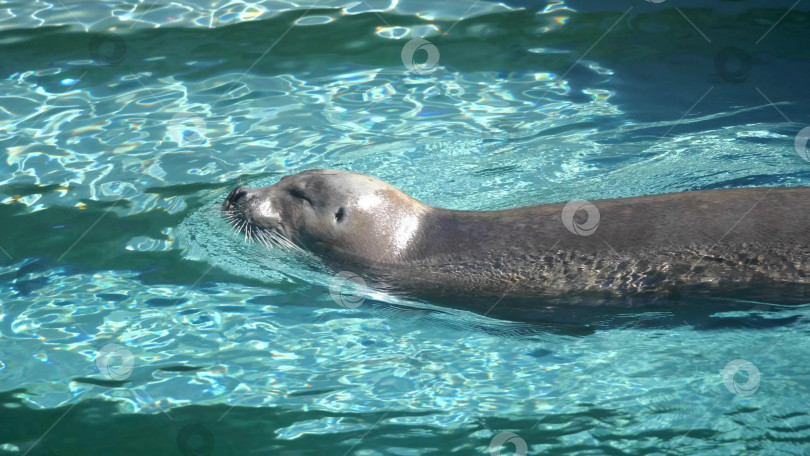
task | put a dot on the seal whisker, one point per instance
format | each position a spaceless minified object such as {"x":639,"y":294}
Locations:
{"x":267,"y":239}
{"x":274,"y":239}
{"x":241,"y":226}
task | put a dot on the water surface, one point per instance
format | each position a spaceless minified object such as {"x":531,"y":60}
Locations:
{"x":124,"y":125}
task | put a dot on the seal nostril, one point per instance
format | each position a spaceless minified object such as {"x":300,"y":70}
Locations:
{"x":339,"y":214}
{"x":233,"y":197}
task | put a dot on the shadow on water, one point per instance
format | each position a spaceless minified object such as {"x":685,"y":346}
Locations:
{"x":508,"y":320}
{"x":100,"y":427}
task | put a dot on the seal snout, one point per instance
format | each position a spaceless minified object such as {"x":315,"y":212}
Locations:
{"x":233,"y":198}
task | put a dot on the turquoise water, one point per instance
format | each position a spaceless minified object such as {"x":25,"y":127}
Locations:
{"x":134,"y":321}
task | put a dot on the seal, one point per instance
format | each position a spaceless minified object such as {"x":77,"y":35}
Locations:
{"x":746,"y":244}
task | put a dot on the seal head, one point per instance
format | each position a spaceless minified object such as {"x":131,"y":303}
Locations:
{"x":336,"y":213}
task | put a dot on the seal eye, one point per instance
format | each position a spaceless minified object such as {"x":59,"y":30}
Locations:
{"x":339,"y":215}
{"x":298,"y":193}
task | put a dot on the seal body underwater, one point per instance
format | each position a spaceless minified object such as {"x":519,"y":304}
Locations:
{"x":745,"y":243}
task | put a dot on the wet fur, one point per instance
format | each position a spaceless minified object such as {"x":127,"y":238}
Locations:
{"x":751,"y":243}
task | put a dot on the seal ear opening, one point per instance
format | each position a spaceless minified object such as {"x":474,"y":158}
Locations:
{"x":340,"y":214}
